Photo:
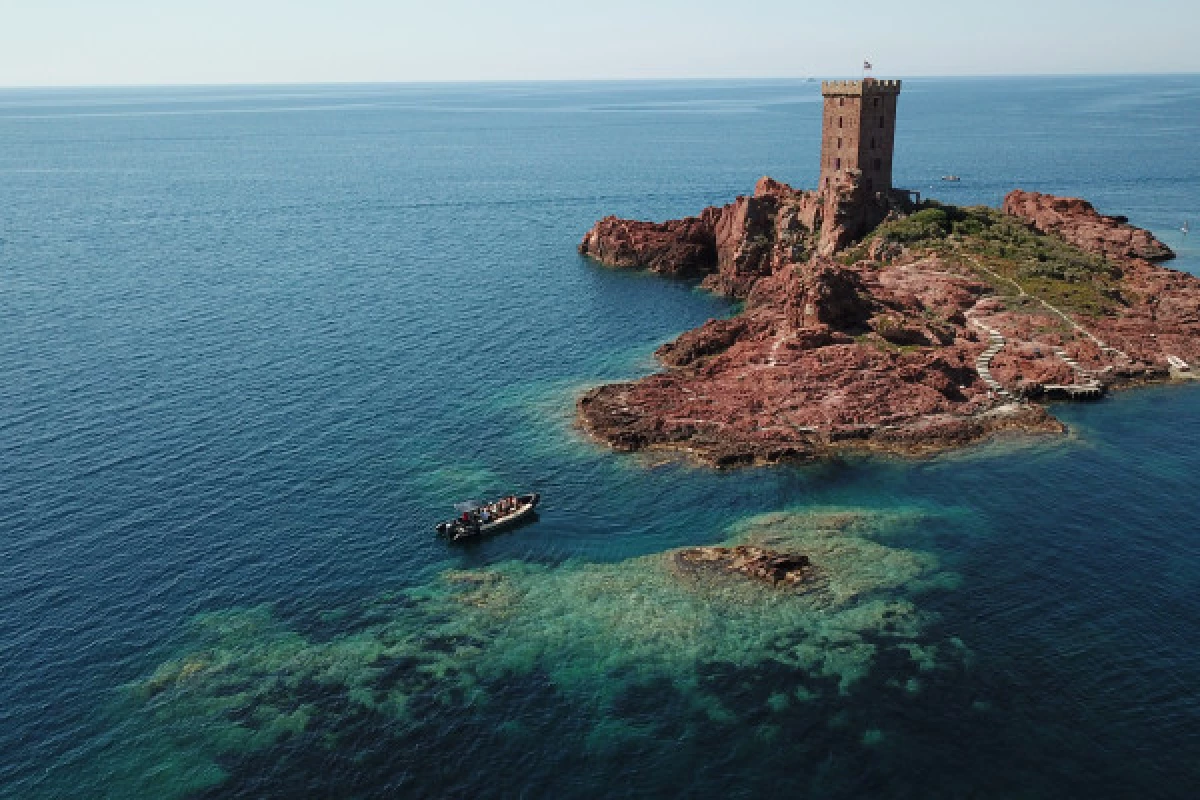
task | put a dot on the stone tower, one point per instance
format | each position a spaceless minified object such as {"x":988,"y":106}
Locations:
{"x":859,"y":132}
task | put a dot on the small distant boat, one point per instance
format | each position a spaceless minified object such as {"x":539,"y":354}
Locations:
{"x":1186,"y":228}
{"x":951,"y":178}
{"x":477,"y":519}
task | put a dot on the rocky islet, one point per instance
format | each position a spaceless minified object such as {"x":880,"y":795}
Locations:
{"x":874,"y":322}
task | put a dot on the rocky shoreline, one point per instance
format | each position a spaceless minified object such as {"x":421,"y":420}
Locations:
{"x":872,"y":322}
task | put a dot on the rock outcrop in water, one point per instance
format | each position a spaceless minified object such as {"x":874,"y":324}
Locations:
{"x":758,"y":563}
{"x":873,"y":323}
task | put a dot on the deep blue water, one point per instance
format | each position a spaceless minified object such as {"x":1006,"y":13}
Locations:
{"x":255,"y":341}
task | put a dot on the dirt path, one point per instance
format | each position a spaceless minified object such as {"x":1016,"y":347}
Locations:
{"x":1112,"y":351}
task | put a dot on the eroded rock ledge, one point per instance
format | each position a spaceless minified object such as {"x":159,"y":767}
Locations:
{"x":870,"y":323}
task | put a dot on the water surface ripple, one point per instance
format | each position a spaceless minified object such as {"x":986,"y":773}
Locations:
{"x":255,"y":341}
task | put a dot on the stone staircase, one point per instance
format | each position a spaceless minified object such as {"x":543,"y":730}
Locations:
{"x":1086,"y":386}
{"x":983,"y":363}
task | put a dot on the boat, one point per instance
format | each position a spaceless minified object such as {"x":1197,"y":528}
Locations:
{"x":478,"y":519}
{"x":951,"y":178}
{"x":1186,"y":228}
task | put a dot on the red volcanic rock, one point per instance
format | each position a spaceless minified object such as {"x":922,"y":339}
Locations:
{"x":681,"y":247}
{"x":849,"y":211}
{"x":734,"y":246}
{"x":1160,"y":313}
{"x":1163,"y":318}
{"x":742,"y":408}
{"x":745,"y":239}
{"x":897,"y":330}
{"x":811,"y":338}
{"x":826,"y":294}
{"x":714,"y":336}
{"x":1078,"y":222}
{"x":1018,"y":366}
{"x":769,"y":187}
{"x":882,"y":354}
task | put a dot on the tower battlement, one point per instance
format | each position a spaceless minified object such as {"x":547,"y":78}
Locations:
{"x":858,"y":133}
{"x":859,"y":88}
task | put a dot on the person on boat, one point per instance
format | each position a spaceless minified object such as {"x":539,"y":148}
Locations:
{"x":485,"y":516}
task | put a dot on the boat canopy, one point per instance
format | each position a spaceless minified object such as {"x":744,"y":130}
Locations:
{"x":468,"y":506}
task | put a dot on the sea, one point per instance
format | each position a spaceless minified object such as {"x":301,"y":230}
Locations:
{"x":256,"y":341}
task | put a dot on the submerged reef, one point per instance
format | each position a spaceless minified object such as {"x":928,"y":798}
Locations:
{"x":629,"y":658}
{"x":772,"y":566}
{"x":875,"y":323}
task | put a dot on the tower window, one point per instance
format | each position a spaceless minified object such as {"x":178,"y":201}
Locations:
{"x":837,"y":163}
{"x":877,"y":102}
{"x":839,"y":122}
{"x":841,"y":101}
{"x":881,"y":122}
{"x":839,"y":143}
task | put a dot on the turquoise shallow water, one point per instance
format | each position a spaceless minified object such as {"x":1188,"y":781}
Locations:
{"x":256,"y":340}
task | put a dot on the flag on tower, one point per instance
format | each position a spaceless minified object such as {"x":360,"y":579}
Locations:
{"x":866,"y":66}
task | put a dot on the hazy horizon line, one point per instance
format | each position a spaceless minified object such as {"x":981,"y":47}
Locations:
{"x":542,"y":81}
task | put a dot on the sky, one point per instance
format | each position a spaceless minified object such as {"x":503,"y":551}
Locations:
{"x":140,"y":42}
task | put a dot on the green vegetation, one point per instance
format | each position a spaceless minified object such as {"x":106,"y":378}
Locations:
{"x":927,"y":225}
{"x":873,"y":339}
{"x":799,"y":243}
{"x":1044,"y":266}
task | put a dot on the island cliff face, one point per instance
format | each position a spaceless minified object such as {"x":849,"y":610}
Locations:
{"x":870,"y":323}
{"x":733,"y":246}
